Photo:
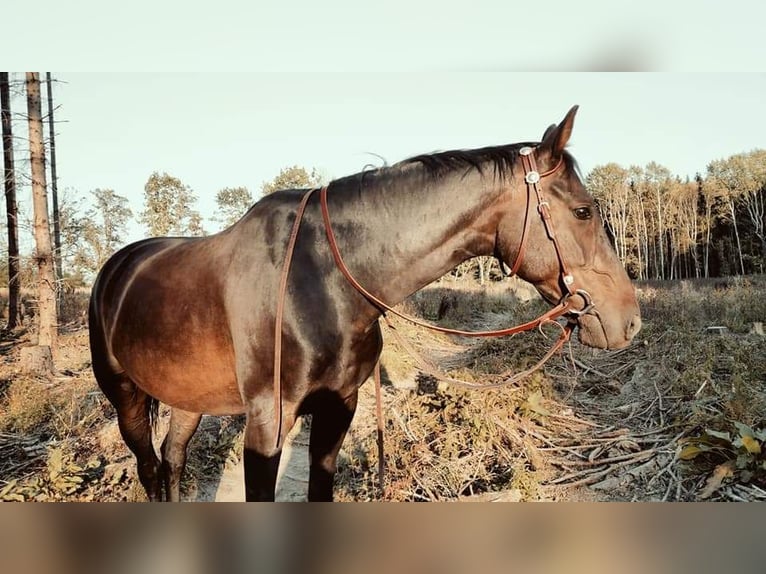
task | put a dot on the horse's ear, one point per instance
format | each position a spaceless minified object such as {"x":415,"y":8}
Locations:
{"x":557,"y":136}
{"x":548,"y":132}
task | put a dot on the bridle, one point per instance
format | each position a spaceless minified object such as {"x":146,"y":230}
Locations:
{"x":566,"y":280}
{"x":532,"y":179}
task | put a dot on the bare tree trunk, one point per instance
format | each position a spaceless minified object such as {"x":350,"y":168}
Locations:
{"x":54,"y":180}
{"x":46,"y":279}
{"x":661,"y":235}
{"x":14,"y":282}
{"x":736,"y":234}
{"x":709,"y":219}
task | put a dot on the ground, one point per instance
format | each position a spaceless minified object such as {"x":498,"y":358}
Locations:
{"x":679,"y":415}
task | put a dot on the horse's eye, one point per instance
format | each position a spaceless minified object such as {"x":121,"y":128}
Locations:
{"x":583,"y":213}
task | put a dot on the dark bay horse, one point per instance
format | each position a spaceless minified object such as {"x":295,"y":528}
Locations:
{"x":190,"y":321}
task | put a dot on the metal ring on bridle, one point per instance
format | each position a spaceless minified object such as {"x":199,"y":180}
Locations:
{"x":589,"y":304}
{"x":526,"y":150}
{"x":532,"y":177}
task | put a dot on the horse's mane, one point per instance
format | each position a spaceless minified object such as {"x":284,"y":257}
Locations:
{"x":500,"y":158}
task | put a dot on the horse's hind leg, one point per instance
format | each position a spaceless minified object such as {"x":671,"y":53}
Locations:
{"x":183,"y":424}
{"x":133,"y":408}
{"x":331,"y":417}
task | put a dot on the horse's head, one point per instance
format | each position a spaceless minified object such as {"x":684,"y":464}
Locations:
{"x":579,"y":266}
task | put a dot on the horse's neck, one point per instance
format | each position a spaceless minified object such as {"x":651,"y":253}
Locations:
{"x":403,"y":233}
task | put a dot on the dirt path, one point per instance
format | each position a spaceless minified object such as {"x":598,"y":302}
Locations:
{"x":292,"y":480}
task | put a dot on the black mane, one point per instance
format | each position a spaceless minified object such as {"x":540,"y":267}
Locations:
{"x":501,"y":158}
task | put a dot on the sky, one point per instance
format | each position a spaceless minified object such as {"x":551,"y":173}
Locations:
{"x":396,"y":35}
{"x":215,"y":130}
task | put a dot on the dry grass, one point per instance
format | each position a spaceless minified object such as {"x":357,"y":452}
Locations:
{"x":612,"y":421}
{"x":26,"y":407}
{"x":50,"y":429}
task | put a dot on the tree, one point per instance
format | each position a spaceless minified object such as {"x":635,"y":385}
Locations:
{"x":610,"y":186}
{"x":753,"y":181}
{"x":54,"y":180}
{"x":293,"y":177}
{"x":232,"y":202}
{"x":46,"y":278}
{"x":656,"y":183}
{"x":683,"y":211}
{"x":14,"y":276}
{"x":169,"y":207}
{"x":92,"y":238}
{"x":708,"y":199}
{"x":729,"y":179}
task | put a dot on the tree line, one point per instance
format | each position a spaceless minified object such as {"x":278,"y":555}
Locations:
{"x":663,"y":227}
{"x":91,"y":235}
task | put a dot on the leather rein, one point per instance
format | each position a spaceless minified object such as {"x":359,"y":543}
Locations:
{"x":532,"y":178}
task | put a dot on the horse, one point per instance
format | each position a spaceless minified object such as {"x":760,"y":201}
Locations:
{"x":190,"y":322}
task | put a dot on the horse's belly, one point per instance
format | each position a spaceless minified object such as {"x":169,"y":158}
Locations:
{"x":208,"y":393}
{"x":198,"y":378}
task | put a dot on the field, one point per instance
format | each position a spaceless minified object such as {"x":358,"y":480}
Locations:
{"x":679,"y":415}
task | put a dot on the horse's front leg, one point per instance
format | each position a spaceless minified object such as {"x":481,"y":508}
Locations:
{"x":261,"y":455}
{"x":329,"y":423}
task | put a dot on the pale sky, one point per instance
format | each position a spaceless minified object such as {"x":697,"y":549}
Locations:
{"x":226,"y":129}
{"x":395,"y":35}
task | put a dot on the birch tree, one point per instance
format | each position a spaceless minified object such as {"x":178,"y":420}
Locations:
{"x":727,"y":178}
{"x":753,"y":176}
{"x":610,"y":187}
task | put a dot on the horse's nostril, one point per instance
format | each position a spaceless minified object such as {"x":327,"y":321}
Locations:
{"x":634,"y":326}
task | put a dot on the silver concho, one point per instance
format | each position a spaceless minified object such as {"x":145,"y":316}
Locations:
{"x":532,"y":177}
{"x":526,"y":150}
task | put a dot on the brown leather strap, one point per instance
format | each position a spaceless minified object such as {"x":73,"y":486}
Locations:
{"x":533,"y":184}
{"x":552,"y":314}
{"x":379,"y":413}
{"x":523,"y":241}
{"x":527,"y":216}
{"x":281,"y":296}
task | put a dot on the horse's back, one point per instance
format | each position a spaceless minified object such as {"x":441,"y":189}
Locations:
{"x":115,"y":275}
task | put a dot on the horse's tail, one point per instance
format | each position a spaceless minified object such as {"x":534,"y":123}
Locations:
{"x":153,"y":407}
